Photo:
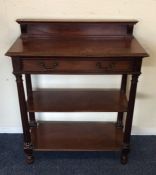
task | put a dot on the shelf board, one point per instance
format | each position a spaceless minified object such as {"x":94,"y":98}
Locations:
{"x":77,"y":136}
{"x":77,"y":100}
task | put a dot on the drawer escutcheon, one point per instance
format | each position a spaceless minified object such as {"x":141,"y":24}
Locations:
{"x":48,"y":67}
{"x":108,"y":67}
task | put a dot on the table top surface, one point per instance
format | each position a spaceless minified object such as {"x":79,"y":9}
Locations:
{"x":77,"y":47}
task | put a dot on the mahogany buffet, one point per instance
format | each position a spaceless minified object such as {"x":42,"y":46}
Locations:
{"x":76,"y":47}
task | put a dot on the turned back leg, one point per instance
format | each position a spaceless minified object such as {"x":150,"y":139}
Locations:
{"x":32,"y":120}
{"x":119,"y":123}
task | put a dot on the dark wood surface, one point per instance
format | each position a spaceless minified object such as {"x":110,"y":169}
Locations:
{"x":129,"y":119}
{"x":24,"y":118}
{"x":77,"y":136}
{"x":77,"y":39}
{"x":123,"y":89}
{"x":71,"y":100}
{"x":69,"y":28}
{"x":32,"y":120}
{"x":77,"y":47}
{"x":77,"y":66}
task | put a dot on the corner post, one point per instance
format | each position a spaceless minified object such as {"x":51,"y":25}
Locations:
{"x":119,"y":123}
{"x":23,"y":109}
{"x":29,"y":96}
{"x":129,"y":119}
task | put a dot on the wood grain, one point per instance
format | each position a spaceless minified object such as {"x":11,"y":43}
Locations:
{"x":77,"y":47}
{"x":76,"y":66}
{"x":77,"y":100}
{"x":76,"y":136}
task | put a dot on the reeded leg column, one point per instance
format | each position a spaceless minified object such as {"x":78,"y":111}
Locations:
{"x":119,"y":122}
{"x":26,"y":133}
{"x":32,"y":120}
{"x":129,"y":119}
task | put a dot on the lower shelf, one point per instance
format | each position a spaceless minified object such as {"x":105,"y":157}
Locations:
{"x":77,"y":136}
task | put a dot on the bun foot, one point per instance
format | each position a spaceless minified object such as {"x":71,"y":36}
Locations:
{"x":30,"y":159}
{"x":124,"y":159}
{"x":28,"y":149}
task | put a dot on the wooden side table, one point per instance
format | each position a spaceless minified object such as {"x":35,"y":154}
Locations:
{"x":76,"y":47}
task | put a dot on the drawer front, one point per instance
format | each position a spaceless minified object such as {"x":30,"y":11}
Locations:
{"x":69,"y":66}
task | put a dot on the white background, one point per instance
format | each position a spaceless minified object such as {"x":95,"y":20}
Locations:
{"x":145,"y":32}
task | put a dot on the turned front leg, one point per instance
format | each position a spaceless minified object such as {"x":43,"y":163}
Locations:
{"x":129,"y":119}
{"x":24,"y":118}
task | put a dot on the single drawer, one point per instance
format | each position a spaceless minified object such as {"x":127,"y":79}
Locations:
{"x":76,"y":66}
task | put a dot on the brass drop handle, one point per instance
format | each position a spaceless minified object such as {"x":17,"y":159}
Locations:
{"x":49,"y":67}
{"x":110,"y":66}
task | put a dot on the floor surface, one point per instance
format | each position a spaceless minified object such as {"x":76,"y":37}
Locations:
{"x":142,"y":159}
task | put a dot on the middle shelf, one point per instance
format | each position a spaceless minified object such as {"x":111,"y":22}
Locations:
{"x":77,"y":100}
